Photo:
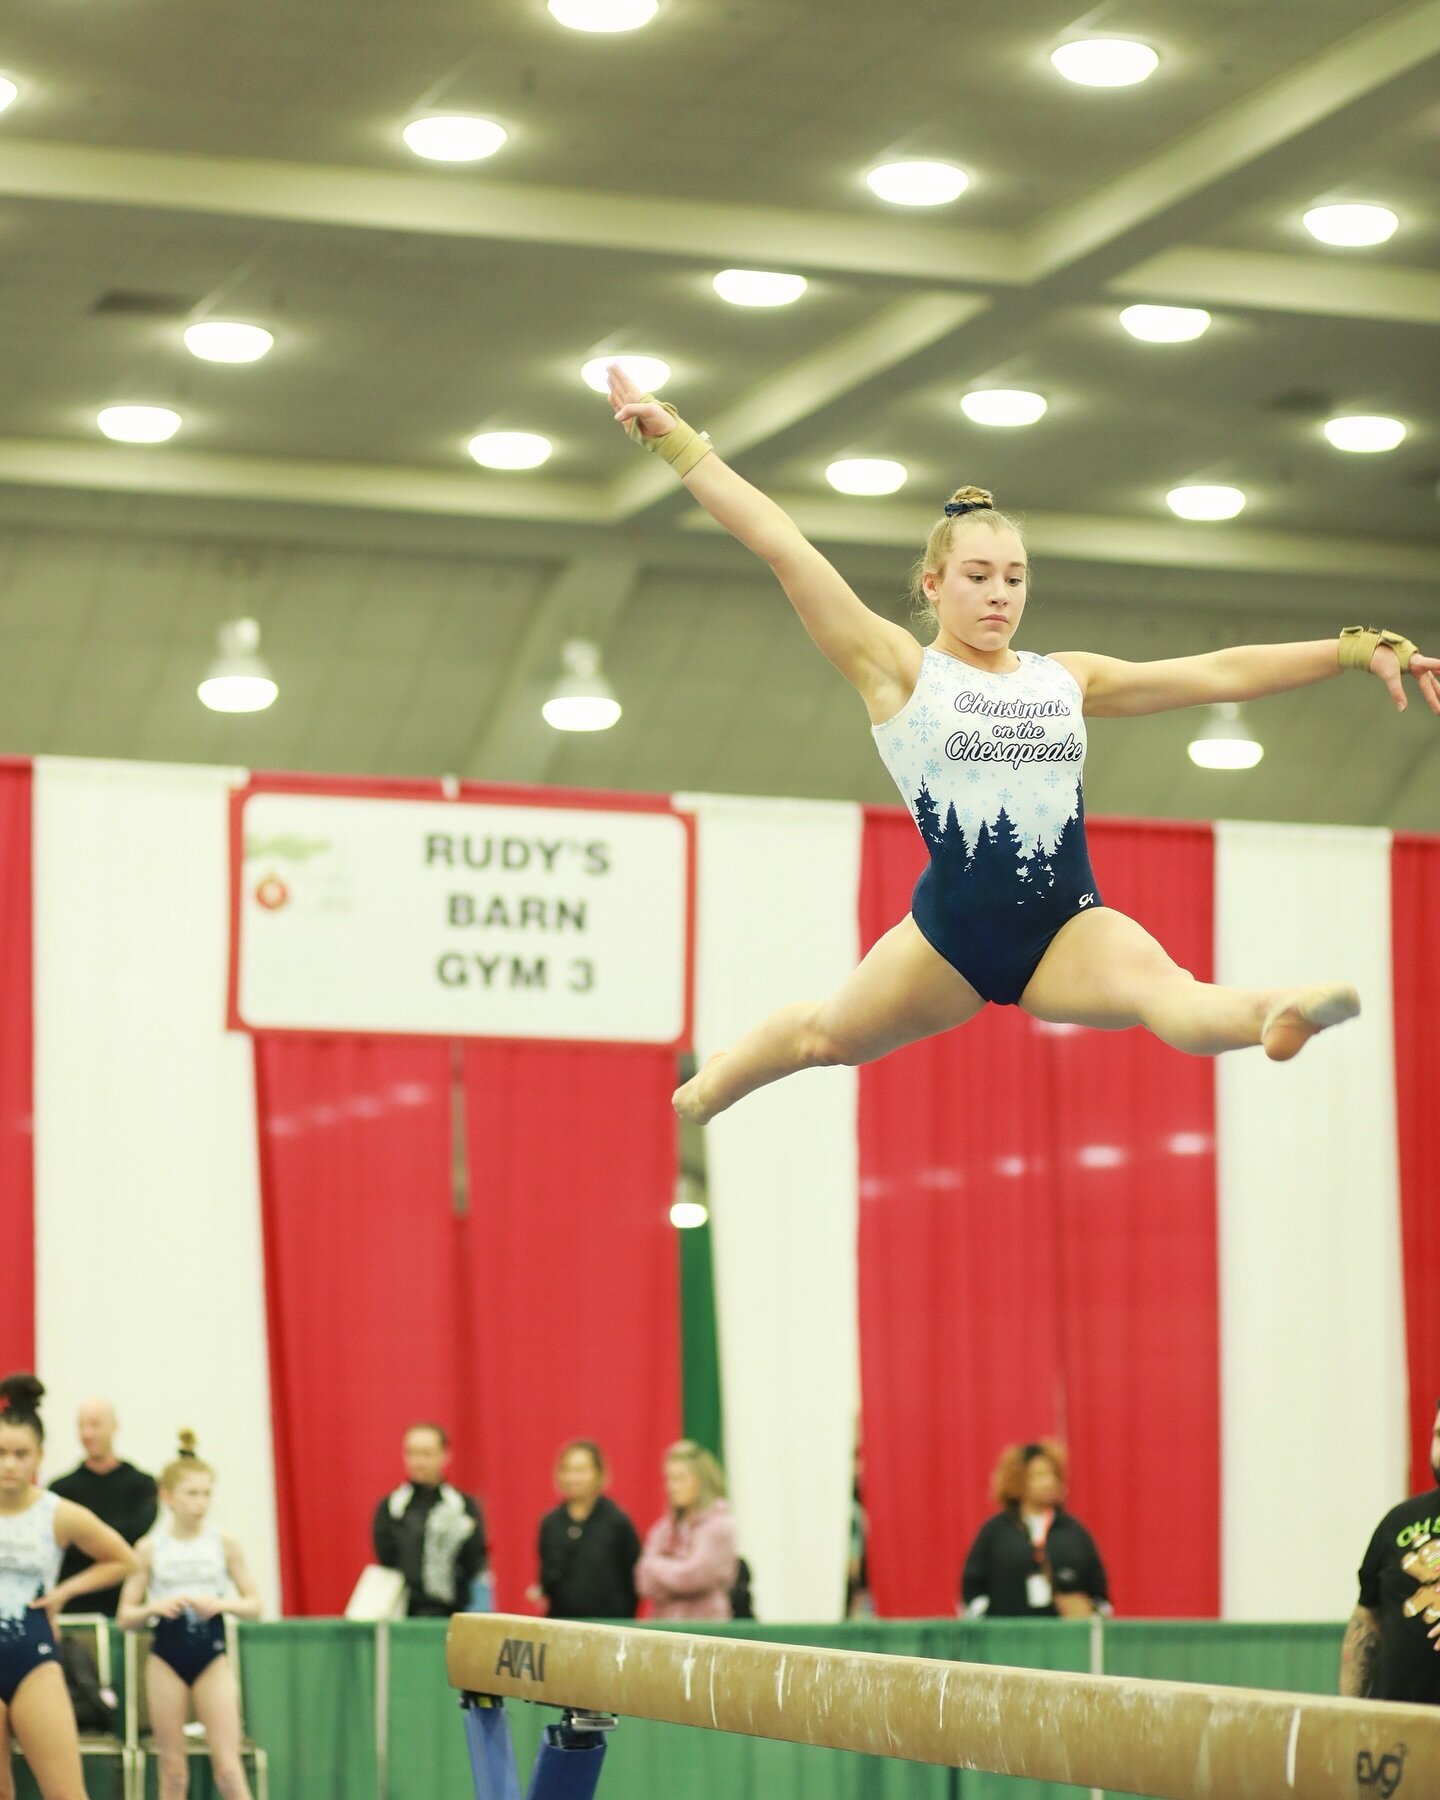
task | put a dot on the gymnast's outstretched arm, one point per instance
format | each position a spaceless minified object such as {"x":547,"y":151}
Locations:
{"x":878,"y":657}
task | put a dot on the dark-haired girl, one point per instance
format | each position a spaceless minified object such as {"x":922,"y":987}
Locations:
{"x":986,"y":744}
{"x":189,"y":1576}
{"x":36,"y":1528}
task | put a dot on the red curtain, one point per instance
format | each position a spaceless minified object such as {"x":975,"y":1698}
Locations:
{"x":1038,"y":1256}
{"x":365,"y":1289}
{"x":17,"y":1129}
{"x":521,"y":1297}
{"x":1415,"y":937}
{"x":575,"y":1277}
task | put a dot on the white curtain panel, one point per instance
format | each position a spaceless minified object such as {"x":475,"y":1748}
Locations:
{"x":150,"y":1285}
{"x":1312,"y":1309}
{"x":778,"y":922}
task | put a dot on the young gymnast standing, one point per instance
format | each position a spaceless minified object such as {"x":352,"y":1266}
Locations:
{"x":986,"y":744}
{"x":189,"y":1576}
{"x":36,"y":1529}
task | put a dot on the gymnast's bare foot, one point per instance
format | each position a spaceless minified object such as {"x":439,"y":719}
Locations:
{"x":1298,"y":1014}
{"x":690,"y":1101}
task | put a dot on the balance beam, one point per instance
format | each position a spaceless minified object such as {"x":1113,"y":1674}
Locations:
{"x":1168,"y":1739}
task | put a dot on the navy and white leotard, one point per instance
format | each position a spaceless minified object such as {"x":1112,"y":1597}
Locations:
{"x":29,"y":1566}
{"x":193,"y":1565}
{"x":990,"y":768}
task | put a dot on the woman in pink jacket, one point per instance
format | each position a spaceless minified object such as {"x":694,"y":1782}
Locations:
{"x":687,"y":1567}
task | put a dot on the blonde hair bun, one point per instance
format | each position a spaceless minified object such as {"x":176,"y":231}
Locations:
{"x":188,"y":1442}
{"x":971,"y":496}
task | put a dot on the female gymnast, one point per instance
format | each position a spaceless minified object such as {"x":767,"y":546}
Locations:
{"x":36,"y":1528}
{"x":986,"y":745}
{"x":189,"y":1576}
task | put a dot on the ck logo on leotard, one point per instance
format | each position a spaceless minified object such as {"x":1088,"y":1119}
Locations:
{"x":1087,"y":900}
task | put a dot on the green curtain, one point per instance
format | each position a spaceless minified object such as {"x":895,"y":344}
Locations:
{"x":703,"y":1408}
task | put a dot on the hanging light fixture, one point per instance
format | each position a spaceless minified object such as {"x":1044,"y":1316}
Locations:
{"x":238,"y":681}
{"x":1224,"y":741}
{"x":582,"y":699}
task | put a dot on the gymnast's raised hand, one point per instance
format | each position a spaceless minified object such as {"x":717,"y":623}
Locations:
{"x":986,"y":744}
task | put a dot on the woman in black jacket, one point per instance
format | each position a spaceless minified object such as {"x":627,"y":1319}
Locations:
{"x":588,"y":1547}
{"x":1032,"y":1559}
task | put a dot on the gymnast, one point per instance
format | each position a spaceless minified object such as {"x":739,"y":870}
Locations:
{"x":36,"y":1529}
{"x":986,"y":744}
{"x":189,"y":1576}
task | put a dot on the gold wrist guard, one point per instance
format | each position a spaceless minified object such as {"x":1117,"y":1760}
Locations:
{"x":1358,"y":643}
{"x":681,"y":446}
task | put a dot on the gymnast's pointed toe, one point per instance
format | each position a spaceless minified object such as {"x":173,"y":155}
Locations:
{"x":1302,"y":1012}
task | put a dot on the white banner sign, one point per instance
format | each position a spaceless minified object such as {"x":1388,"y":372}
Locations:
{"x":458,"y":919}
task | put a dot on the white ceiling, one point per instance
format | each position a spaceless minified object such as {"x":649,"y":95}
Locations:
{"x":222,"y":161}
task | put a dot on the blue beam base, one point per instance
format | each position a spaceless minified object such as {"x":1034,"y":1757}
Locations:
{"x":492,"y":1755}
{"x":567,"y":1765}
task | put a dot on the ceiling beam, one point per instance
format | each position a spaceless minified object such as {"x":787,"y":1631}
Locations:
{"x":467,"y":205}
{"x":585,"y":600}
{"x":1328,"y":286}
{"x":891,"y":336}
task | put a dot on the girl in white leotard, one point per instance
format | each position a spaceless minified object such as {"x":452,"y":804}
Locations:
{"x":36,"y":1528}
{"x":936,"y":968}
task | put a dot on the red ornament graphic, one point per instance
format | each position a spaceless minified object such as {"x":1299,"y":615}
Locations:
{"x":271,"y":893}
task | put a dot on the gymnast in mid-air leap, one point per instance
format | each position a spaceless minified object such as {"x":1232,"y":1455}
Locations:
{"x":986,"y":744}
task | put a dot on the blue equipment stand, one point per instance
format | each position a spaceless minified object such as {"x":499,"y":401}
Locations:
{"x":567,"y":1765}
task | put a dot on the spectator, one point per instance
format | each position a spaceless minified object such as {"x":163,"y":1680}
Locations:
{"x":116,"y":1492}
{"x":1388,"y":1654}
{"x":689,"y":1565}
{"x":431,"y":1532}
{"x":1032,"y":1559}
{"x":588,"y":1547}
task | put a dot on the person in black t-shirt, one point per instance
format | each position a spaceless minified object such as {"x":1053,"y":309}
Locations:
{"x":1032,"y":1559}
{"x":115,"y":1491}
{"x":588,"y":1547}
{"x":1387,"y":1654}
{"x":431,"y":1532}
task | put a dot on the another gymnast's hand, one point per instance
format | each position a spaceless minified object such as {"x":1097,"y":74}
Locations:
{"x":50,"y":1604}
{"x":1425,"y":669}
{"x":628,"y":400}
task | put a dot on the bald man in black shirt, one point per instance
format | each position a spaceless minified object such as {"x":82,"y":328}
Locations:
{"x":1389,"y":1653}
{"x":115,"y":1491}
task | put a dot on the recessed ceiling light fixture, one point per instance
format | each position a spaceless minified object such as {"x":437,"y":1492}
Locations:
{"x":582,"y":699}
{"x":1365,"y":433}
{"x":225,"y":341}
{"x":648,"y":371}
{"x":1165,"y":324}
{"x":510,"y":449}
{"x":238,"y":681}
{"x":454,"y":137}
{"x":1224,"y":741}
{"x":1351,"y":226}
{"x":689,"y":1215}
{"x":1205,"y":501}
{"x":918,"y":183}
{"x":604,"y":15}
{"x":870,"y":475}
{"x":1105,"y":62}
{"x":8,"y":91}
{"x":138,"y":424}
{"x":1003,"y":406}
{"x":758,"y":287}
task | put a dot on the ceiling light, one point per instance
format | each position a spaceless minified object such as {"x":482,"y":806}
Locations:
{"x":454,"y":138}
{"x":223,"y":341}
{"x":1365,"y":432}
{"x":689,"y":1215}
{"x":582,"y":699}
{"x":648,"y":372}
{"x":604,"y":15}
{"x":1003,"y":406}
{"x":1100,"y":1156}
{"x":8,"y":91}
{"x":510,"y":449}
{"x":1205,"y":502}
{"x":918,"y":183}
{"x":1105,"y":62}
{"x":1188,"y":1143}
{"x":1165,"y":324}
{"x":866,"y":475}
{"x":1224,"y":742}
{"x":1351,"y":227}
{"x":138,"y":424}
{"x":758,"y":287}
{"x":237,"y":681}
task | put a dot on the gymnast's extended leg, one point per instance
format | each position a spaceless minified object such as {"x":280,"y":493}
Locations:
{"x":903,"y":990}
{"x":1104,"y":970}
